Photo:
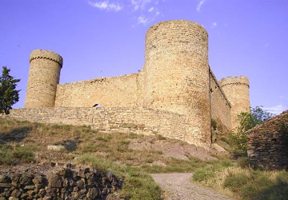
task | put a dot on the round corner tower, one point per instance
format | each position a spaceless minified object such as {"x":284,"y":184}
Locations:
{"x":237,"y":91}
{"x":44,"y":74}
{"x":176,"y":73}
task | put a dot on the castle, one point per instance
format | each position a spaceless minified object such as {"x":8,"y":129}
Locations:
{"x":175,"y":95}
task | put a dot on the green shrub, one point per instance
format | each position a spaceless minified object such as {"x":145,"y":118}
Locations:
{"x":243,"y":162}
{"x":257,"y":185}
{"x":235,"y":181}
{"x":24,"y":154}
{"x":6,"y":154}
{"x":209,"y":171}
{"x":255,"y":188}
{"x":203,"y":174}
{"x":18,"y":154}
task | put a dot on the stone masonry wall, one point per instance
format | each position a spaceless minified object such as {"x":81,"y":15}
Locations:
{"x":220,"y":106}
{"x":44,"y":74}
{"x":132,"y":120}
{"x":176,"y":83}
{"x":123,"y":91}
{"x":176,"y":72}
{"x":268,"y":144}
{"x":236,"y":89}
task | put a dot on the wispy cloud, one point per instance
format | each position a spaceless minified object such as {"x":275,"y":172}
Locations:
{"x":146,"y":11}
{"x":214,"y":25}
{"x":277,"y":109}
{"x":140,"y":4}
{"x":142,"y":20}
{"x":106,"y":5}
{"x":151,"y":9}
{"x":199,"y":5}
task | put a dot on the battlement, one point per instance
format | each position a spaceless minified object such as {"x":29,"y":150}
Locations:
{"x":235,"y":80}
{"x":176,"y":35}
{"x":45,"y":54}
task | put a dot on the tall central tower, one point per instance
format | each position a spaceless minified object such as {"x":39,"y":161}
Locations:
{"x":176,"y":73}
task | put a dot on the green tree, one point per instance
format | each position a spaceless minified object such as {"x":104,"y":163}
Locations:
{"x":247,"y":121}
{"x":8,"y":93}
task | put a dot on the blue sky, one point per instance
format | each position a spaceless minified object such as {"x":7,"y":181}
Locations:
{"x":106,"y":38}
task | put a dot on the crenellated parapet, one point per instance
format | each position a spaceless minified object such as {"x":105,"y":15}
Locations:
{"x":44,"y":75}
{"x":235,"y":80}
{"x":48,"y":55}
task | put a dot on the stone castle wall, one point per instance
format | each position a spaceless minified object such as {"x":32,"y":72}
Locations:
{"x":268,"y":144}
{"x":220,"y":106}
{"x":176,"y":72}
{"x":237,"y":91}
{"x":123,"y":91}
{"x":176,"y":78}
{"x":44,"y":74}
{"x":132,"y":120}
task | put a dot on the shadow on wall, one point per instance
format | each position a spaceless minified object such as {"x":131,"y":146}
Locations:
{"x":15,"y":135}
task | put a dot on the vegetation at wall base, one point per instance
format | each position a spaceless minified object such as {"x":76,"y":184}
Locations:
{"x":238,"y":179}
{"x":247,"y":120}
{"x":112,"y":152}
{"x":137,"y":183}
{"x":102,"y":150}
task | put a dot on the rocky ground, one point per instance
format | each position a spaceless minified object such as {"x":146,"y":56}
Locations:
{"x":25,"y":174}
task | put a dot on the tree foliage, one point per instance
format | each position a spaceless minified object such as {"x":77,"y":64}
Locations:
{"x":8,"y":93}
{"x":250,"y":120}
{"x":247,"y":121}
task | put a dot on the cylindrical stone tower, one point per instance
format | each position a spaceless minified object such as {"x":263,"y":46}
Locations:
{"x":237,"y":91}
{"x":176,"y":73}
{"x":43,"y":78}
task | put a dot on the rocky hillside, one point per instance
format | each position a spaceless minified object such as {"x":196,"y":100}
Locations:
{"x":130,"y":157}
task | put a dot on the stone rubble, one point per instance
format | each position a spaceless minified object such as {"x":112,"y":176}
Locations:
{"x":67,"y":183}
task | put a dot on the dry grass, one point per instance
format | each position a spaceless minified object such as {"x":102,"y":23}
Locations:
{"x":247,"y":184}
{"x":109,"y":151}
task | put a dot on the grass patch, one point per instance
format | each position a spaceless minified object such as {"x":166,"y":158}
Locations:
{"x":225,"y":176}
{"x":258,"y":185}
{"x":174,"y":165}
{"x":137,"y":184}
{"x":210,"y":169}
{"x":14,"y":155}
{"x":234,"y":182}
{"x":244,"y":183}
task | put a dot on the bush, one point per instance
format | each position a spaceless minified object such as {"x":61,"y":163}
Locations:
{"x":203,"y":174}
{"x":234,"y":182}
{"x":247,"y":120}
{"x":209,"y":171}
{"x":258,"y":185}
{"x":18,"y":154}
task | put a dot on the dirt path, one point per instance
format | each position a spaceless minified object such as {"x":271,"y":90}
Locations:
{"x":178,"y":186}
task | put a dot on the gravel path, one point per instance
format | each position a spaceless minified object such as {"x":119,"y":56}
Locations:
{"x":178,"y":186}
